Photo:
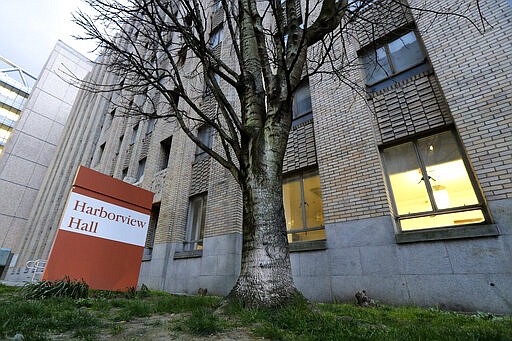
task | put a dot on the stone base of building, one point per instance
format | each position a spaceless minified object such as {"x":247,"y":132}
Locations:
{"x":472,"y":274}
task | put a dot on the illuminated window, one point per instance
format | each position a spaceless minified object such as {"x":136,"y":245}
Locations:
{"x":403,"y":56}
{"x":431,"y":185}
{"x":195,"y":223}
{"x":302,"y":200}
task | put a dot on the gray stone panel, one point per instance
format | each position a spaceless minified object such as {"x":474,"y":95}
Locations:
{"x":501,"y":213}
{"x":316,"y":288}
{"x":379,"y":260}
{"x":345,"y":261}
{"x":424,"y":258}
{"x":482,"y":256}
{"x":363,"y":232}
{"x":385,"y":289}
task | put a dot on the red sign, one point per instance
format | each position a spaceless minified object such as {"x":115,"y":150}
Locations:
{"x":102,"y":233}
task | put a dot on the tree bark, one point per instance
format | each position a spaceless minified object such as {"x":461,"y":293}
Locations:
{"x":266,"y":277}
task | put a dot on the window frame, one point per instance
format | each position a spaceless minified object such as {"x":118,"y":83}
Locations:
{"x":190,"y":244}
{"x":135,"y":132}
{"x":300,"y":176}
{"x":216,"y":36}
{"x":395,"y":76}
{"x":165,"y":156}
{"x":141,"y":169}
{"x":435,"y":211}
{"x":200,"y":153}
{"x":306,"y":116}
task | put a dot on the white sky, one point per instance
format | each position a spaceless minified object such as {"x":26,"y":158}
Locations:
{"x":29,"y":30}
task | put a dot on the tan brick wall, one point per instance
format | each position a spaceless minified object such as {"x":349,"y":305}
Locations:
{"x":408,"y":107}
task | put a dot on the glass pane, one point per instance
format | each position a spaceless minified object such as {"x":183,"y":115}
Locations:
{"x":292,"y":201}
{"x":195,"y":223}
{"x":447,"y":174}
{"x":409,"y":190}
{"x":406,"y":52}
{"x":440,"y":220}
{"x":313,"y":202}
{"x":306,"y":236}
{"x":302,"y":101}
{"x":376,"y":66}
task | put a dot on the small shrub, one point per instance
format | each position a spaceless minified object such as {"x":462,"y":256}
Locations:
{"x":61,"y":288}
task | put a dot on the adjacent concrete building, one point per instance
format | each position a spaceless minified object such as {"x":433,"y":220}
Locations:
{"x":29,"y":151}
{"x":405,"y":191}
{"x":15,"y":87}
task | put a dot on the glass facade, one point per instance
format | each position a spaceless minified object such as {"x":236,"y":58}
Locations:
{"x":15,"y":87}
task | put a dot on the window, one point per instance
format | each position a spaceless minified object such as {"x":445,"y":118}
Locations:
{"x":195,"y":223}
{"x":150,"y":238}
{"x":100,"y":153}
{"x":165,"y":148}
{"x":121,"y":138}
{"x":302,"y":199}
{"x":134,"y":134}
{"x":301,"y":106}
{"x":358,"y":5}
{"x":431,"y":185}
{"x":395,"y":57}
{"x":124,"y":173}
{"x":216,"y":37}
{"x":140,"y":169}
{"x":217,"y":4}
{"x":204,"y":134}
{"x":151,"y":125}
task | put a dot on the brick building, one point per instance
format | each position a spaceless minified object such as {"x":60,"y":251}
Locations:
{"x":401,"y":185}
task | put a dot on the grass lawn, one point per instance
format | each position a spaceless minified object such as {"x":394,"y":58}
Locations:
{"x":150,"y":315}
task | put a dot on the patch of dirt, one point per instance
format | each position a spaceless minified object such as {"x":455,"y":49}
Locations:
{"x":159,"y":328}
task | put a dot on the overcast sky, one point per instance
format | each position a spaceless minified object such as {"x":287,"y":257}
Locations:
{"x":29,"y":30}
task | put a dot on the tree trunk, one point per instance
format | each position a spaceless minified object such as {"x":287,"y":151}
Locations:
{"x":266,"y":278}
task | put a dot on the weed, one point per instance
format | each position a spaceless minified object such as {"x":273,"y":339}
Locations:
{"x":60,"y":288}
{"x":203,"y":321}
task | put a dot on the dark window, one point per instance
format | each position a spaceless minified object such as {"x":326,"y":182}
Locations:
{"x":140,"y":169}
{"x":431,"y":183}
{"x":120,"y":144}
{"x":165,"y":148}
{"x":124,"y":173}
{"x":100,"y":153}
{"x":153,"y":222}
{"x":204,"y":134}
{"x":134,"y":134}
{"x":301,"y":106}
{"x":151,"y":125}
{"x":110,"y":118}
{"x":216,"y":37}
{"x":393,"y":58}
{"x":302,"y":199}
{"x":195,"y":223}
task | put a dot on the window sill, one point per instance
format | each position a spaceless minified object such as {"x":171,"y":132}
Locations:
{"x":188,"y":254}
{"x":467,"y":231}
{"x":313,"y":245}
{"x":146,"y":258}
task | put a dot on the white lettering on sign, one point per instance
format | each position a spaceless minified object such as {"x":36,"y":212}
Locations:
{"x":101,"y":219}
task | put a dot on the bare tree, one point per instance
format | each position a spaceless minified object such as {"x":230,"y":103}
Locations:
{"x":166,"y":50}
